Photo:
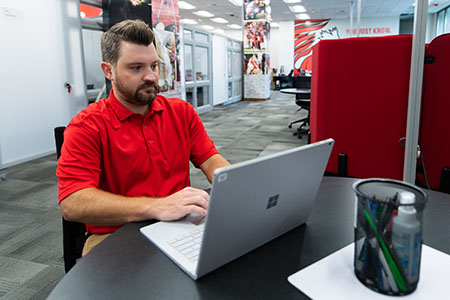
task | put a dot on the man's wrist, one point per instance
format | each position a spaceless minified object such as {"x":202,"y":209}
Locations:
{"x":148,"y":209}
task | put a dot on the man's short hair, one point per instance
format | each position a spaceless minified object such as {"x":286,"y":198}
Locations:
{"x":133,"y":31}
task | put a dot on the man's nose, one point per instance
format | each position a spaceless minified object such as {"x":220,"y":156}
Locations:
{"x":149,"y":75}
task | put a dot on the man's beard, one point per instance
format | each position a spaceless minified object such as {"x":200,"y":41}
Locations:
{"x":140,"y":96}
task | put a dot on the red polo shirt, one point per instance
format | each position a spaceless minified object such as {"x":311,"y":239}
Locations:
{"x":107,"y":146}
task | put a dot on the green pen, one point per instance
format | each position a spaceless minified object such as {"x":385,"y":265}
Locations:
{"x":392,"y":266}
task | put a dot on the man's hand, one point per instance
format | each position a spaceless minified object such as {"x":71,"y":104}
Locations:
{"x":187,"y":201}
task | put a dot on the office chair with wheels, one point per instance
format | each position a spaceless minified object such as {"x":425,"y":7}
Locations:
{"x":302,"y":99}
{"x":74,"y":233}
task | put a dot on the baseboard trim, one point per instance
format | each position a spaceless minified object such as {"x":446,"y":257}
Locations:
{"x":256,"y":99}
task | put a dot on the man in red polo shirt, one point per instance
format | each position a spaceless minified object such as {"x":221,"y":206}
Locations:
{"x":126,"y":158}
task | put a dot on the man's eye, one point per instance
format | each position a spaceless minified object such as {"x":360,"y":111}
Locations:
{"x":154,"y":67}
{"x":136,"y":68}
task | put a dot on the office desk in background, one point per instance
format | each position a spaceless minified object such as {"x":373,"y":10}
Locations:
{"x":128,"y":266}
{"x":299,"y":93}
{"x":278,"y":80}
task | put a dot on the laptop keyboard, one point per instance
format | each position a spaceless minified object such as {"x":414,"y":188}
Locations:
{"x":189,"y":244}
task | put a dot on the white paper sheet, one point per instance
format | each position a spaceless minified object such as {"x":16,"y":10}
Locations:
{"x":333,"y":278}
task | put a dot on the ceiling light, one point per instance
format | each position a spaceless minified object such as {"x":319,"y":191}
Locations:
{"x":207,"y":27}
{"x":297,"y":8}
{"x":274,"y":25}
{"x":185,"y":5}
{"x":292,"y":1}
{"x":188,"y":21}
{"x":218,"y":30}
{"x":203,"y":13}
{"x":303,"y":16}
{"x":219,"y":20}
{"x":234,"y":26}
{"x":236,"y":2}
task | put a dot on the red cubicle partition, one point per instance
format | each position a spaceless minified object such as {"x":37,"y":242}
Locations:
{"x":359,"y":97}
{"x":434,"y":135}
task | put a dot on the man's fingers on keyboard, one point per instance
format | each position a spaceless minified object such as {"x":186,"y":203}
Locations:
{"x":197,"y":199}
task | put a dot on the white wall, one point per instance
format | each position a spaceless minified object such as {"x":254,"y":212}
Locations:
{"x":273,"y":48}
{"x":282,"y":38}
{"x":285,"y":43}
{"x":40,"y":50}
{"x":431,"y":27}
{"x":284,"y":35}
{"x":219,"y":65}
{"x":234,"y":34}
{"x":378,"y":26}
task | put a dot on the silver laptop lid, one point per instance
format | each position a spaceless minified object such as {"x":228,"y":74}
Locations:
{"x":253,"y":202}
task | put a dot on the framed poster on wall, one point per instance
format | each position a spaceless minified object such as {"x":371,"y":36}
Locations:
{"x":165,"y":21}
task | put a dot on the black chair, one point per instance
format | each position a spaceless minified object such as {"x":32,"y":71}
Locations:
{"x":74,"y":233}
{"x":303,"y":100}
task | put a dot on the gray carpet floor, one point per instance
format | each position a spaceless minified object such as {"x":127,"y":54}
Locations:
{"x":31,"y":261}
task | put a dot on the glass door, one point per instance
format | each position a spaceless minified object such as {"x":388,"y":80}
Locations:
{"x":234,"y":70}
{"x":197,"y":68}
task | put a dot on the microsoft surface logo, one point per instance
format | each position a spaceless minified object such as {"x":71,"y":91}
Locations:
{"x":272,"y":201}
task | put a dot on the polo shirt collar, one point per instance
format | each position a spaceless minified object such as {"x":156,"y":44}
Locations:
{"x":123,"y":113}
{"x":157,"y":105}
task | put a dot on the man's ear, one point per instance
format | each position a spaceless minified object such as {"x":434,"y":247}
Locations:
{"x":107,"y":69}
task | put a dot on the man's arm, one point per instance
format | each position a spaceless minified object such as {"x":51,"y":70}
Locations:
{"x":211,"y":164}
{"x":94,"y":206}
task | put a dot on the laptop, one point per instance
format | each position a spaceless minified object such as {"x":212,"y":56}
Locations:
{"x":251,"y":203}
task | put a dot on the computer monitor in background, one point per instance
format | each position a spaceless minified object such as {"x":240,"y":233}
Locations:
{"x":302,"y":82}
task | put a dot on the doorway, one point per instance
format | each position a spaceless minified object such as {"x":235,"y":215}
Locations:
{"x":197,"y":68}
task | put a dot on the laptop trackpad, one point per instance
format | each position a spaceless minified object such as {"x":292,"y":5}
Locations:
{"x":195,"y":219}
